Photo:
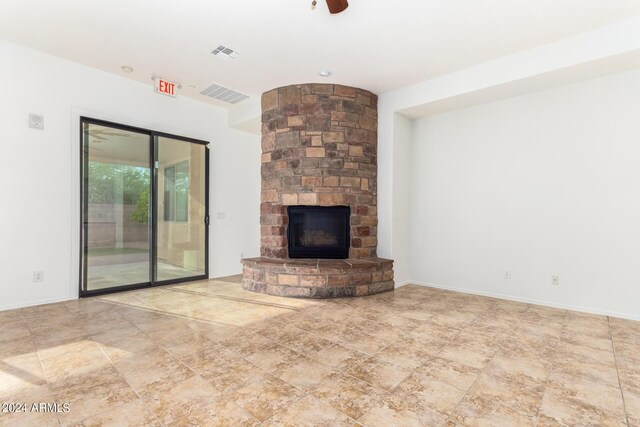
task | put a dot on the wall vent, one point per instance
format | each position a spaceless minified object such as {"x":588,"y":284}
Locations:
{"x":223,"y":51}
{"x":224,"y":94}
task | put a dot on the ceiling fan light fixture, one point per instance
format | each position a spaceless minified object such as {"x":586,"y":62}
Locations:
{"x":337,"y":6}
{"x":127,"y":69}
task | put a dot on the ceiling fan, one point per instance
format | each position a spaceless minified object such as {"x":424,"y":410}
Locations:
{"x":335,"y":6}
{"x":103,"y":134}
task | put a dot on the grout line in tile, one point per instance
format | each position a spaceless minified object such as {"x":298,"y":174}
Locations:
{"x":119,"y":373}
{"x":341,"y":372}
{"x":335,"y":409}
{"x":555,"y":355}
{"x":43,"y":370}
{"x":483,"y":370}
{"x":111,"y":408}
{"x":116,"y":369}
{"x":159,"y":346}
{"x":308,"y":394}
{"x":615,"y":359}
{"x":233,"y":402}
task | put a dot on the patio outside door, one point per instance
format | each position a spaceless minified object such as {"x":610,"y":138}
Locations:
{"x":144,"y":208}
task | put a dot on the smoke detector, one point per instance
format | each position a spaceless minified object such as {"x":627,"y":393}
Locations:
{"x":223,"y":51}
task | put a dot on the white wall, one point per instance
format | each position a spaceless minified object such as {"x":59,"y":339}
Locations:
{"x":39,"y":169}
{"x":401,"y":199}
{"x":602,"y":51}
{"x":543,"y":184}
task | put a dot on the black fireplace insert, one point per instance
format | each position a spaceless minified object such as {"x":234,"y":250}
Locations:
{"x":319,"y":232}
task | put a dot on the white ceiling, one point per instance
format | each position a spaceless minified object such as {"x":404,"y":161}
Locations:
{"x":377,"y":45}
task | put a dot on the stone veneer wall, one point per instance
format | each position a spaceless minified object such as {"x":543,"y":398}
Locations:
{"x":319,"y":145}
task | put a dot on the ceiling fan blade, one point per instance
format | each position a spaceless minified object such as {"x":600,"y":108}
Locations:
{"x":96,"y":132}
{"x":337,"y":6}
{"x":125,"y":135}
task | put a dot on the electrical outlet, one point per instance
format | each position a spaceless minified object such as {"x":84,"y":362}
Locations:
{"x":507,"y":274}
{"x":555,"y":280}
{"x":241,"y":256}
{"x":38,"y":276}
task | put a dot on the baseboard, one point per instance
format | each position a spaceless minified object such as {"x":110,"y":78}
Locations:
{"x":588,"y":310}
{"x":401,"y":284}
{"x":33,"y":303}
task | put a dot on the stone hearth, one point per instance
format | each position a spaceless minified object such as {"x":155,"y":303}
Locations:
{"x":318,"y":278}
{"x":319,"y":148}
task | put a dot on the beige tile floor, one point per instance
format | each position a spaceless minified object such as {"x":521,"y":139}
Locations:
{"x":209,"y":353}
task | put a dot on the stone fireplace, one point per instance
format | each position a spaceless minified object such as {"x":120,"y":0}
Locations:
{"x":318,"y":211}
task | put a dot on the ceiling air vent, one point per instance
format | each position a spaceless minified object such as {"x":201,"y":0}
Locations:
{"x":224,"y":94}
{"x":223,"y":51}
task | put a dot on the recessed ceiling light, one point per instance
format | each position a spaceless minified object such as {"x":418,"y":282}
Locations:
{"x":325,"y":73}
{"x":127,"y":69}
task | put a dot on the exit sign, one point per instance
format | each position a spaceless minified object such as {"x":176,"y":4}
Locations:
{"x":165,"y":87}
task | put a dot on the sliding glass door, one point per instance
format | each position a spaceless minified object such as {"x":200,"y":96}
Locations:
{"x":182,"y":206}
{"x":144,"y":208}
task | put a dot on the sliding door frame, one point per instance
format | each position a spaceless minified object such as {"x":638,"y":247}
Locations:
{"x":153,"y":203}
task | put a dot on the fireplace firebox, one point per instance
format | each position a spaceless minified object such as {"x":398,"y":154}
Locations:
{"x":319,"y":232}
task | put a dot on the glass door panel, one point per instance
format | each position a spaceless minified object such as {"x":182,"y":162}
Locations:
{"x":116,"y":173}
{"x":181,"y":217}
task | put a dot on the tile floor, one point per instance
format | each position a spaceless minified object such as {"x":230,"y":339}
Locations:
{"x":209,"y":353}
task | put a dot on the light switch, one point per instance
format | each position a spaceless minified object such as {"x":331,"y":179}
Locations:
{"x":220,"y":215}
{"x":36,"y":121}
